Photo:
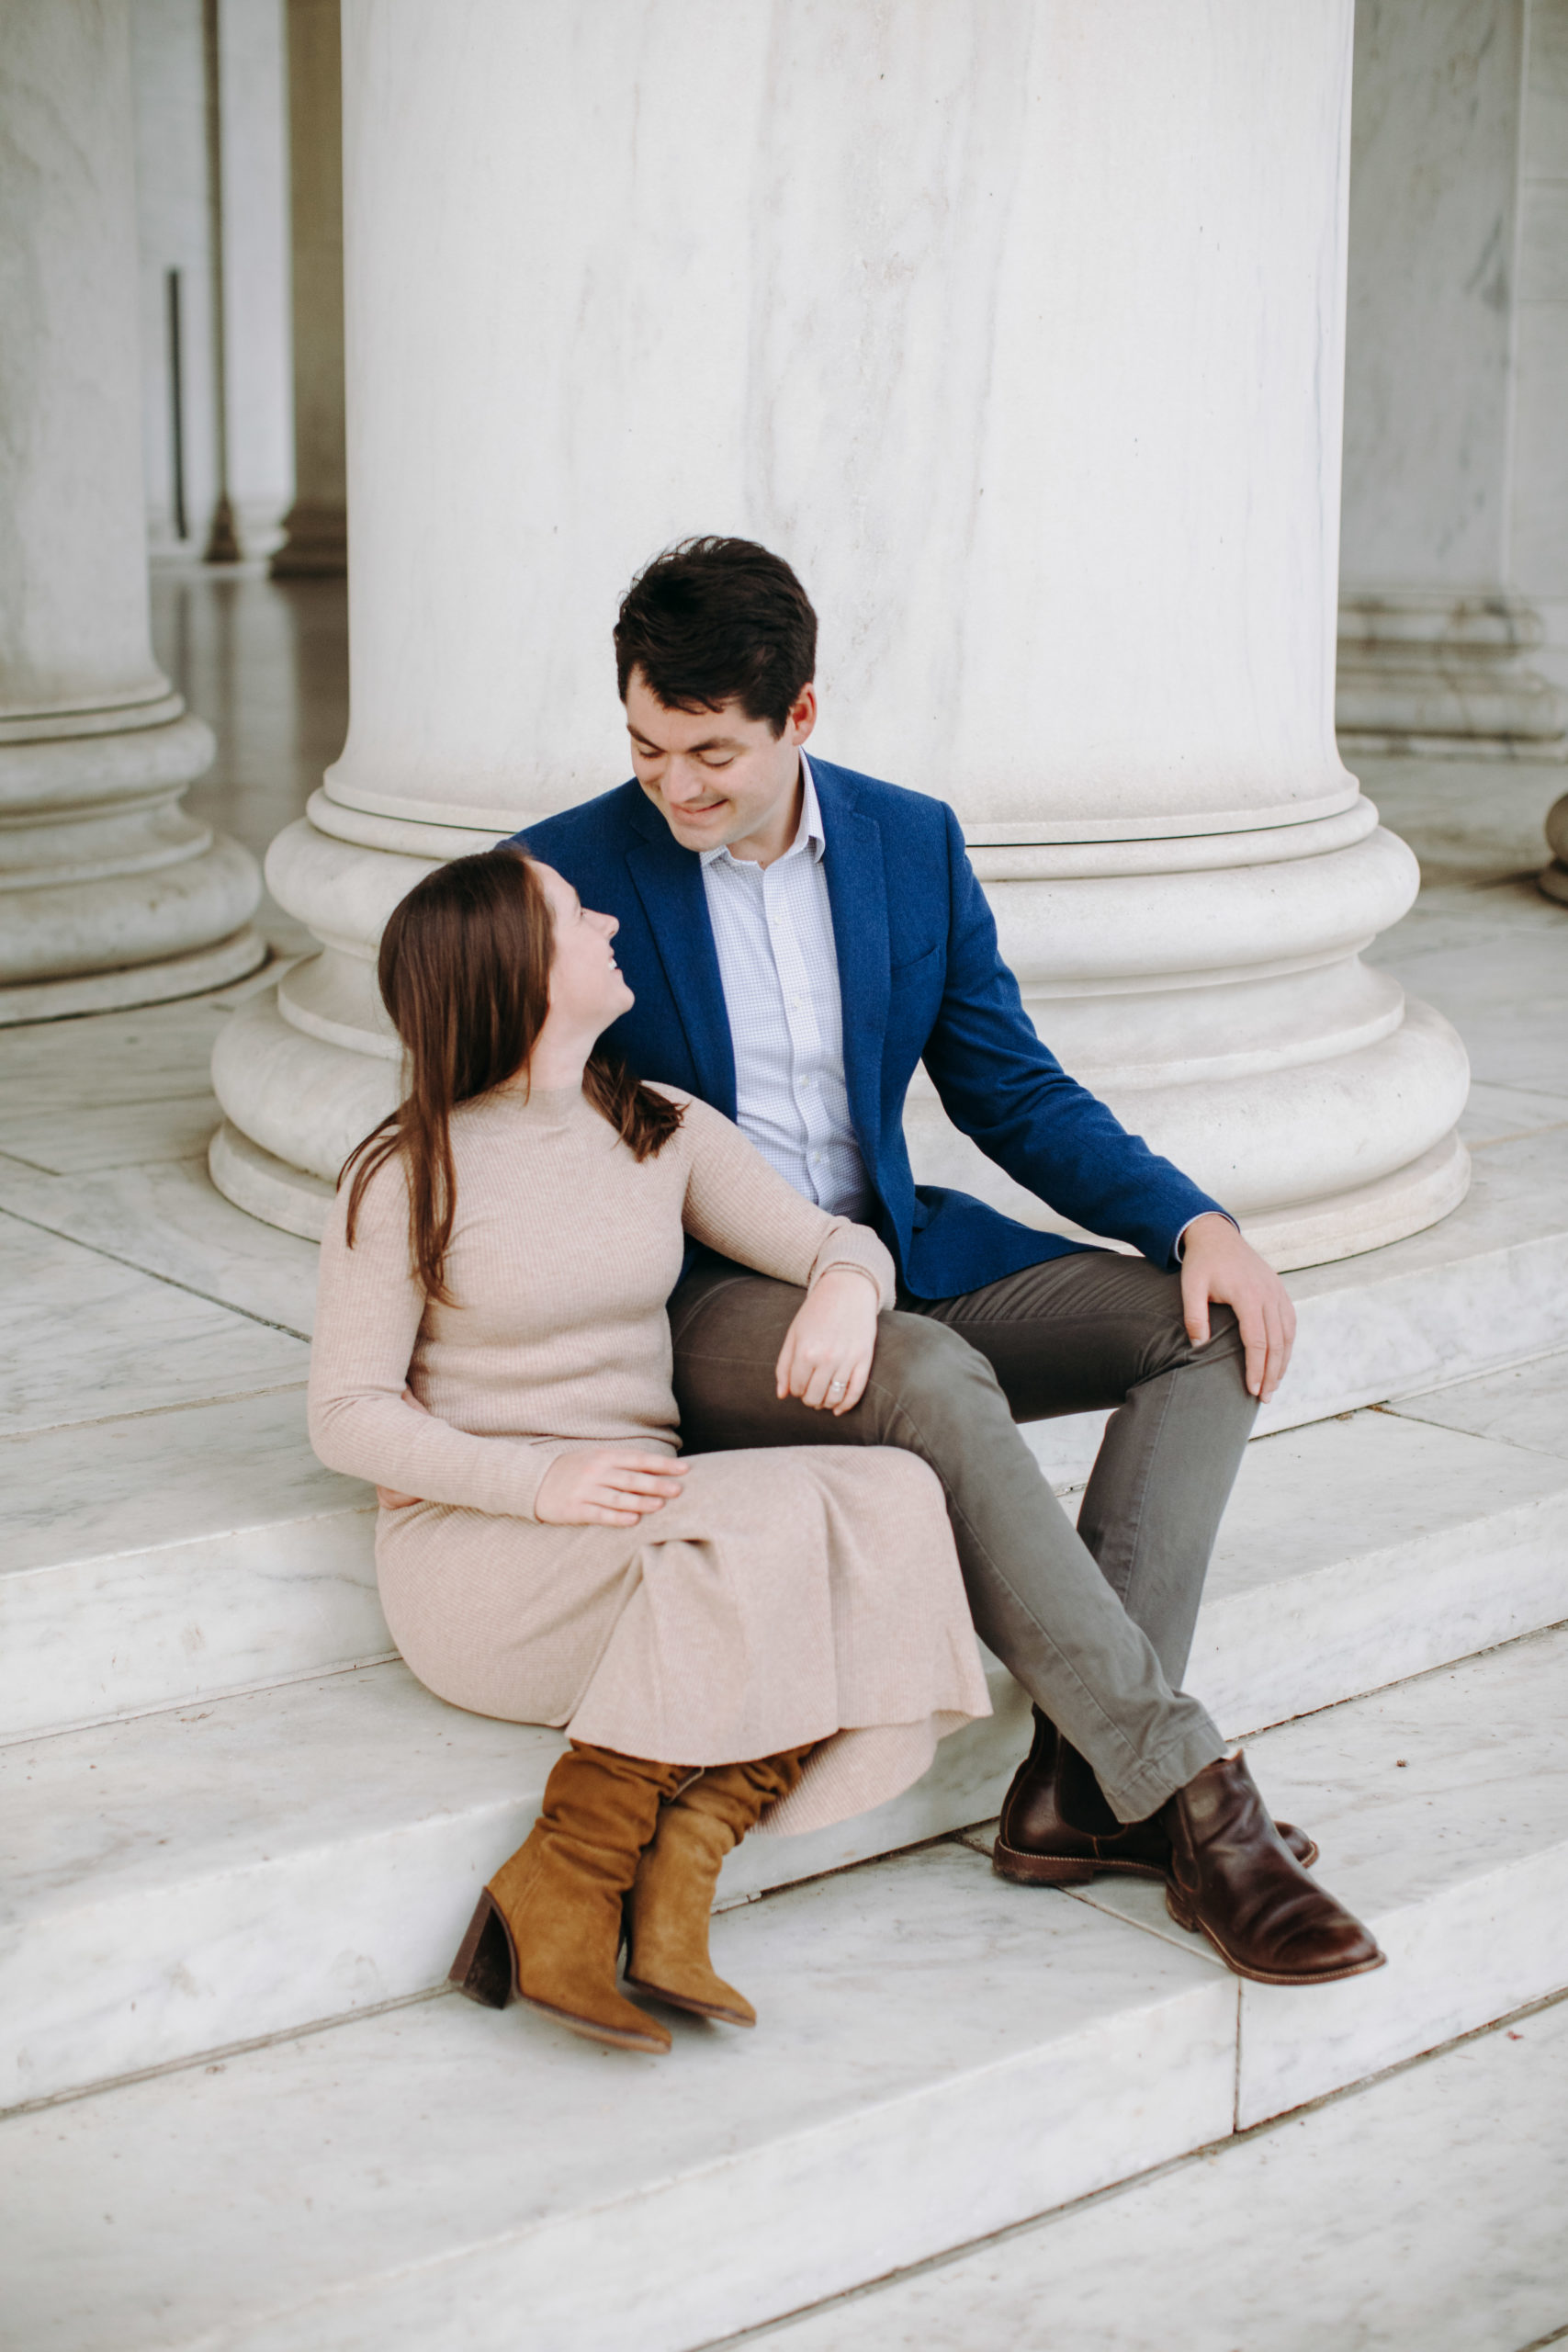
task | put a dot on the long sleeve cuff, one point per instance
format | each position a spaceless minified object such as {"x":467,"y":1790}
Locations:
{"x":856,"y":1246}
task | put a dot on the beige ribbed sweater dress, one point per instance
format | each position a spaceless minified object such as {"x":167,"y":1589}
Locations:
{"x":795,"y":1594}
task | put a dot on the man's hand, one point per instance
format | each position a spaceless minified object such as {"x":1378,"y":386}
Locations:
{"x":827,"y":1350}
{"x":1217,"y":1263}
{"x":613,"y":1487}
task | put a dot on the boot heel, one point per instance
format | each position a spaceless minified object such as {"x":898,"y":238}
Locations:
{"x":1039,"y":1869}
{"x":1180,"y":1910}
{"x":486,"y":1965}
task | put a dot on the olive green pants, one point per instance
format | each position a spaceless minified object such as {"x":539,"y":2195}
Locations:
{"x":1096,"y":1623}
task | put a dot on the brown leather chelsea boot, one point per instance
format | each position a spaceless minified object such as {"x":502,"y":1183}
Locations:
{"x":1058,"y":1830}
{"x":1232,"y":1879}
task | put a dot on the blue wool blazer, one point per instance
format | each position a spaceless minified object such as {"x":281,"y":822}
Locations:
{"x":922,"y":980}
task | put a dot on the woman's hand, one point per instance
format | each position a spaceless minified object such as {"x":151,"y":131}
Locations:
{"x":613,"y":1487}
{"x":827,"y":1355}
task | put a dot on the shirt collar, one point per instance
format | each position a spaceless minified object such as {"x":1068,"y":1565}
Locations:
{"x":808,"y":833}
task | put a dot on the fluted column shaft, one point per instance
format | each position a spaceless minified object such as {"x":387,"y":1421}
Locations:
{"x":1017,"y":326}
{"x":109,"y":893}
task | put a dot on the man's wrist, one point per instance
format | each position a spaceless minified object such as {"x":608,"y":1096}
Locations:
{"x":1224,"y":1214}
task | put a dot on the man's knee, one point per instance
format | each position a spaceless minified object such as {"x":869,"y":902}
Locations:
{"x":929,"y":1384}
{"x":1169,"y":1346}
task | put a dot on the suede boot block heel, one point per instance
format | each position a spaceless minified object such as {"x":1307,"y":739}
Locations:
{"x":547,"y":1927}
{"x":486,"y":1965}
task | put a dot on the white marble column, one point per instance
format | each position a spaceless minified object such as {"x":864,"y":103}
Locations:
{"x":212,"y":173}
{"x":1017,"y":326}
{"x":109,"y":893}
{"x":317,"y":530}
{"x":1457,"y":382}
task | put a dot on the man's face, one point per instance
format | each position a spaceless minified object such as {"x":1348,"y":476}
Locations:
{"x":716,"y":777}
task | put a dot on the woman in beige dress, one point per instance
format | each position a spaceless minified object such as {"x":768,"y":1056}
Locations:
{"x":768,"y":1639}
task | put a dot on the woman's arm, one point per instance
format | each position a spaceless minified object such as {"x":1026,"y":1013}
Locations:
{"x":737,"y":1204}
{"x":368,"y":1310}
{"x":742,"y":1207}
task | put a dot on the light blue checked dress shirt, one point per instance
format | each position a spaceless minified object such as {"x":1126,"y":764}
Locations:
{"x":773,"y":928}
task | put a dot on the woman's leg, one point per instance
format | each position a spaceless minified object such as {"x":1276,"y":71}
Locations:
{"x":672,"y":1897}
{"x":548,"y":1925}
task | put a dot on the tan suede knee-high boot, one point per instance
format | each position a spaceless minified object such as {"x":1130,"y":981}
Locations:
{"x":548,"y":1925}
{"x":672,"y":1896}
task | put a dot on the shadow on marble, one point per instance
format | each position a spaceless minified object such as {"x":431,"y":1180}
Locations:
{"x":1424,"y":2210}
{"x":89,"y":1338}
{"x":873,"y":2118}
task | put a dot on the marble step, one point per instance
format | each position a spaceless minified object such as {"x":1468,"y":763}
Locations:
{"x":184,"y":1553}
{"x":1400,"y":2216}
{"x":1486,"y":1288}
{"x":941,"y":2056}
{"x":159,"y":1556}
{"x":195,"y":1876}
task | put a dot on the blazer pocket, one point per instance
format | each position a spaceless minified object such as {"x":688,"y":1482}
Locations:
{"x":913,"y":965}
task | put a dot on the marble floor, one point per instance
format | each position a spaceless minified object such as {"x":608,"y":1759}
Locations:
{"x":1397,"y":2219}
{"x":187,"y":1614}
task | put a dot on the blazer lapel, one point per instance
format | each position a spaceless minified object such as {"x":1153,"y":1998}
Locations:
{"x":669,"y":881}
{"x":857,"y":893}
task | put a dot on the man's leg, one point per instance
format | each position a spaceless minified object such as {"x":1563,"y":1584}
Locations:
{"x":1036,"y":1594}
{"x":1091,"y":1330}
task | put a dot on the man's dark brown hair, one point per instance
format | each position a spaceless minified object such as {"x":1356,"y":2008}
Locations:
{"x":718,"y":620}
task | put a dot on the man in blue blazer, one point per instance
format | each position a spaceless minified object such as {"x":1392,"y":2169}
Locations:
{"x":798,"y":938}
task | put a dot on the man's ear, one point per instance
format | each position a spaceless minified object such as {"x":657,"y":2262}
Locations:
{"x":803,"y":714}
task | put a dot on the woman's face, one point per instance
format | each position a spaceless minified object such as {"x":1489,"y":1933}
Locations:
{"x":587,"y":990}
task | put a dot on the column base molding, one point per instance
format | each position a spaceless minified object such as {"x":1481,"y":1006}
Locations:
{"x":134,"y":984}
{"x":1554,"y":881}
{"x":315,"y":544}
{"x":266,"y":1187}
{"x":1442,"y":676}
{"x":110,"y":894}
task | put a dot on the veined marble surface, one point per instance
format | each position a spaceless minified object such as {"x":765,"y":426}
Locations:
{"x":871,"y":2119}
{"x":159,"y":1556}
{"x":225,"y":1809}
{"x":1527,"y":1405}
{"x":166,"y":1216}
{"x":1422,"y":2211}
{"x":89,"y":1337}
{"x":1436,"y":1545}
{"x":1441,"y":1807}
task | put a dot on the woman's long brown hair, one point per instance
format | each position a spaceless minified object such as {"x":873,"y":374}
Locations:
{"x":465,"y":974}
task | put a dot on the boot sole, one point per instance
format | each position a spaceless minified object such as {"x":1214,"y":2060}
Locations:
{"x":1193,"y":1925}
{"x":688,"y":2002}
{"x":1051,"y":1869}
{"x":614,"y":2036}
